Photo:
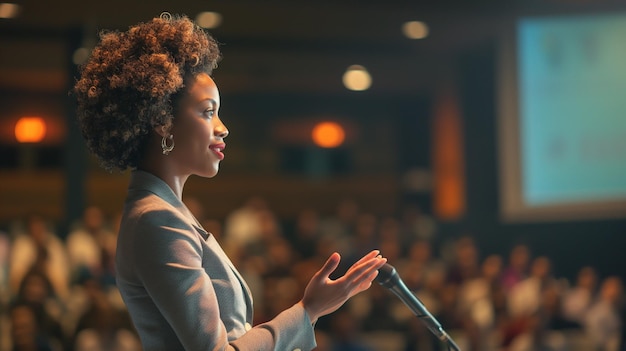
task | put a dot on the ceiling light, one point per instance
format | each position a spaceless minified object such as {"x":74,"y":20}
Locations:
{"x":209,"y":19}
{"x":415,"y":30}
{"x":357,"y":78}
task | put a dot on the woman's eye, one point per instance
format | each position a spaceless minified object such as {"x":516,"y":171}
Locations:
{"x":209,"y":113}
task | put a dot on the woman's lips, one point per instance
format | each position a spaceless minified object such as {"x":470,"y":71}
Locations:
{"x":218,"y":150}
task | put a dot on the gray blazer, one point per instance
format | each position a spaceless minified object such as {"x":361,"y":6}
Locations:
{"x":181,"y":290}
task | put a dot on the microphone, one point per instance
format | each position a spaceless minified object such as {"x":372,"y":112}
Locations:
{"x":389,"y":278}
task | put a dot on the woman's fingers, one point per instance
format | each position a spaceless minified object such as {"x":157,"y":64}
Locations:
{"x":363,"y":280}
{"x":323,"y":295}
{"x":329,"y":267}
{"x":361,"y":270}
{"x":369,"y":256}
{"x":367,"y":282}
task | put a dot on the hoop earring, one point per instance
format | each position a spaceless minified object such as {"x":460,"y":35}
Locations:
{"x":167,"y":149}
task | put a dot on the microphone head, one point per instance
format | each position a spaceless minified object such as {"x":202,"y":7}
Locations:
{"x":387,"y":276}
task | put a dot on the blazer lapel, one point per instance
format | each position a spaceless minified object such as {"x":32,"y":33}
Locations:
{"x":215,"y":246}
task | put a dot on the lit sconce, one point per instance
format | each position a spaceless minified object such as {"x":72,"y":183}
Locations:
{"x":9,"y":10}
{"x":357,"y":78}
{"x":328,"y":134}
{"x":30,"y":129}
{"x":415,"y":30}
{"x":209,"y":19}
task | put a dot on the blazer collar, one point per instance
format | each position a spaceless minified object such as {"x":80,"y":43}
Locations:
{"x":142,"y":180}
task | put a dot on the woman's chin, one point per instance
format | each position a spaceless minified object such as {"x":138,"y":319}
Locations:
{"x":208,"y":173}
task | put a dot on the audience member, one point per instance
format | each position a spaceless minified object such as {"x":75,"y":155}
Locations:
{"x":480,"y":303}
{"x":603,"y":321}
{"x":242,"y":225}
{"x":465,"y":263}
{"x":89,"y":243}
{"x":578,"y":299}
{"x":517,"y":268}
{"x":41,"y":249}
{"x":26,"y":332}
{"x":305,"y":233}
{"x":364,"y":238}
{"x":339,"y":226}
{"x":102,"y":326}
{"x":389,"y":240}
{"x":524,"y":303}
{"x":345,"y":332}
{"x":36,"y":293}
{"x":416,"y":225}
{"x":417,"y":263}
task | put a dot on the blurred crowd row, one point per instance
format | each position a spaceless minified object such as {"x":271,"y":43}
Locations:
{"x":57,"y":290}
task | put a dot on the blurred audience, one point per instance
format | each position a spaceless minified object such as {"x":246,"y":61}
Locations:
{"x":60,"y":295}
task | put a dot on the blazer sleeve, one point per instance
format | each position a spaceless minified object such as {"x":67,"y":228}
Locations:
{"x":168,"y":261}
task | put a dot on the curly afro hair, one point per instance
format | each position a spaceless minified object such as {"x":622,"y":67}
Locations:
{"x":130,"y":83}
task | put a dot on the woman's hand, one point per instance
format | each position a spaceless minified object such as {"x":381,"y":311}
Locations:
{"x":323,"y":295}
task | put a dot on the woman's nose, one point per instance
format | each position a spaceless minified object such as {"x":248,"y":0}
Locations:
{"x":221,"y":130}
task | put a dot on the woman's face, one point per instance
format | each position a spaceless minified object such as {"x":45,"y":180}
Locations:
{"x":198,"y":131}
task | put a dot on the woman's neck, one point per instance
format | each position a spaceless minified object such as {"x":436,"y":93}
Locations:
{"x":166,"y":172}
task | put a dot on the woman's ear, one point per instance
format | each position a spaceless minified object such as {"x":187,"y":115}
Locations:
{"x":163,"y":131}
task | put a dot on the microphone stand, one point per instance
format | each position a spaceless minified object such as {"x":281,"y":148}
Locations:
{"x":427,"y":318}
{"x":388,"y":277}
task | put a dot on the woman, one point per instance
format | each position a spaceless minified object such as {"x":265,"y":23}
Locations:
{"x":146,"y":101}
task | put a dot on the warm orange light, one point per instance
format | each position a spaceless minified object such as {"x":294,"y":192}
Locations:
{"x":328,"y":134}
{"x":448,"y":162}
{"x":30,"y":130}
